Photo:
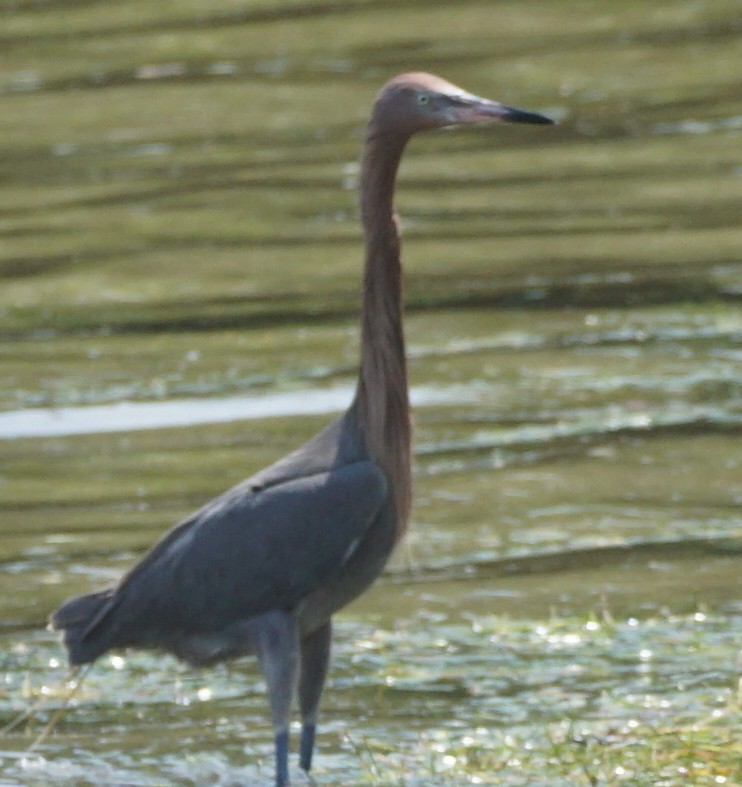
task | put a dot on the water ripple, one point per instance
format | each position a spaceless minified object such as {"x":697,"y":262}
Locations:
{"x":132,"y":416}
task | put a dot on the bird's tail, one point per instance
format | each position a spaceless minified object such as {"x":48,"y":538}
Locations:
{"x":76,"y":619}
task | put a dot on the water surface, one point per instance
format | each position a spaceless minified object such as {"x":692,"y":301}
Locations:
{"x":180,"y":256}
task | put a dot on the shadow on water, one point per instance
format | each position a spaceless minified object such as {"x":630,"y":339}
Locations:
{"x":429,"y":295}
{"x":576,"y":560}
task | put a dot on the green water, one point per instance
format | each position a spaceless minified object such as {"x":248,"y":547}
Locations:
{"x":178,"y":228}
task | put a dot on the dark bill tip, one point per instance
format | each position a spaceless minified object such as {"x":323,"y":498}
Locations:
{"x":513,"y":115}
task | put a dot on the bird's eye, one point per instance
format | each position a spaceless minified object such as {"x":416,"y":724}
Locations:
{"x":423,"y":99}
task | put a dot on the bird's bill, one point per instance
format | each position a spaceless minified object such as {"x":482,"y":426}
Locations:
{"x":474,"y":109}
{"x":514,"y":115}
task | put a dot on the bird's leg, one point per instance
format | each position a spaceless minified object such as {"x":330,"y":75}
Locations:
{"x":276,"y":642}
{"x":315,"y":656}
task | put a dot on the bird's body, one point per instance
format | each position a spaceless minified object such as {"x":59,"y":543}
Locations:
{"x":261,"y":546}
{"x":262,"y":568}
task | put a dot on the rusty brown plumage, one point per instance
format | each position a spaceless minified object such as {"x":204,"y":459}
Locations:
{"x":383,"y":399}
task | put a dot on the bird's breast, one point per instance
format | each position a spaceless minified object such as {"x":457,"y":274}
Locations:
{"x":363,"y":565}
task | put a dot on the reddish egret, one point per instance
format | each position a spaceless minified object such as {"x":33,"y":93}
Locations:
{"x":261,"y":569}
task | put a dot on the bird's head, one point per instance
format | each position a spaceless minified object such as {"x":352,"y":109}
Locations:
{"x":417,"y":101}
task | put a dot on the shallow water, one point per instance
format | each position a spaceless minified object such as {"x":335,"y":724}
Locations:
{"x":180,"y":255}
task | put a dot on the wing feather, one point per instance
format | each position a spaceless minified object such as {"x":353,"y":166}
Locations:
{"x":249,"y":551}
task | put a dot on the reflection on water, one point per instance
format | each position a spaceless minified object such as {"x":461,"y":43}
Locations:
{"x":179,"y":254}
{"x":132,"y":416}
{"x":128,"y":416}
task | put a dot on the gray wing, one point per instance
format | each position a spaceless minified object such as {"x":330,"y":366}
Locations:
{"x":249,"y":551}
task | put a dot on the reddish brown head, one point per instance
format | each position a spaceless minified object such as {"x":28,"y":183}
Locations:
{"x":406,"y":104}
{"x":418,"y":101}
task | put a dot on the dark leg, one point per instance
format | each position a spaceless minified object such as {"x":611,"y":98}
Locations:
{"x":276,"y":641}
{"x":315,"y":657}
{"x":282,"y":759}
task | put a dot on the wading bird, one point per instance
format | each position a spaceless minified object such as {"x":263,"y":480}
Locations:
{"x":262,"y":568}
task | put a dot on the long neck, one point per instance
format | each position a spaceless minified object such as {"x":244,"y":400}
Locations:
{"x":382,"y":399}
